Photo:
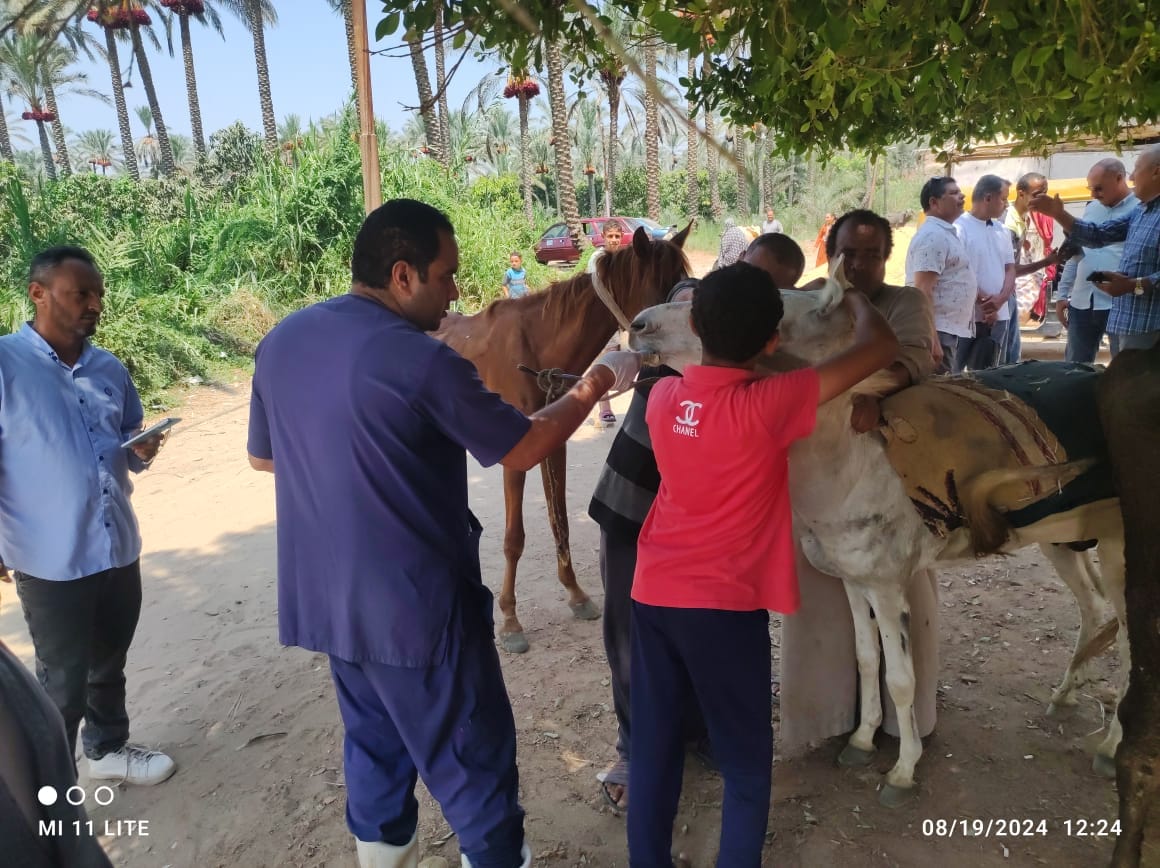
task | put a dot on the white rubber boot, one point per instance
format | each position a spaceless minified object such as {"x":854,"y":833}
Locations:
{"x":525,"y":854}
{"x":381,"y":855}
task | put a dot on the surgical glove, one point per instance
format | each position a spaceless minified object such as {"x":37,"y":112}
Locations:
{"x":624,"y":364}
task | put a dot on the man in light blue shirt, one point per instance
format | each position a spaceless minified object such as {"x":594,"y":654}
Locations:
{"x":67,"y":528}
{"x":1081,"y":306}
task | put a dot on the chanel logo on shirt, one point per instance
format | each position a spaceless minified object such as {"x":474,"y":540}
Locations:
{"x":687,"y":424}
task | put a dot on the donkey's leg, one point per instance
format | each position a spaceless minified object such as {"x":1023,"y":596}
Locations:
{"x":511,"y":634}
{"x":1112,"y":564}
{"x":554,"y":469}
{"x":893,"y":615}
{"x":1071,"y":567}
{"x":859,"y":750}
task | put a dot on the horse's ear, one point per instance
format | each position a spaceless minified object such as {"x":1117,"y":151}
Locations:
{"x":642,"y":243}
{"x":834,"y":289}
{"x":682,"y":236}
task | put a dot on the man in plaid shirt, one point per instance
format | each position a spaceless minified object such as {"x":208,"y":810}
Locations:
{"x":1136,"y":286}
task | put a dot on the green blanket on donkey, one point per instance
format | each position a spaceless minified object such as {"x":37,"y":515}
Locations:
{"x":1063,"y":394}
{"x":948,"y":430}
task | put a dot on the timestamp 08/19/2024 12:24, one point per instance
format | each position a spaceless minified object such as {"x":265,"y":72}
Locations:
{"x":1019,"y":828}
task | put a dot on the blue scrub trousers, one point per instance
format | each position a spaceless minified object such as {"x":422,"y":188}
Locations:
{"x":724,"y":658}
{"x":450,"y":724}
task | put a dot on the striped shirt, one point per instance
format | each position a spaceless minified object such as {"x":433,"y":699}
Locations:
{"x":1140,"y":231}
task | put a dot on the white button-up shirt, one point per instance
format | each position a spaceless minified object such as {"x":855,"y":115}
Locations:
{"x":936,"y":247}
{"x":989,"y":251}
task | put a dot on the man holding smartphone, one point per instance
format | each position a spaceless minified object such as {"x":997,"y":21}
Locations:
{"x":1135,"y":315}
{"x":67,"y":528}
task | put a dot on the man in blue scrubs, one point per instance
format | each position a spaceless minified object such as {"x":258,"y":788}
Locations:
{"x":365,"y":421}
{"x":67,"y":527}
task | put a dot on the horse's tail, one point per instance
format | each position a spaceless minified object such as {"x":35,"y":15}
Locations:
{"x":987,"y":498}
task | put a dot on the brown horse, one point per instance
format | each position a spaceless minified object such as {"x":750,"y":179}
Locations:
{"x":564,"y":327}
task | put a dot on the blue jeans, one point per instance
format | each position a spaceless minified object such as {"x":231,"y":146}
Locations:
{"x":724,"y":658}
{"x":985,"y":349}
{"x":1013,"y":346}
{"x":1085,"y":330}
{"x":950,"y":349}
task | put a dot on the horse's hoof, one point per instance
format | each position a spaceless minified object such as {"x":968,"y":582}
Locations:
{"x":855,"y":758}
{"x":1056,"y":710}
{"x":1104,"y":766}
{"x":514,"y":643}
{"x":584,"y":611}
{"x":891,"y":796}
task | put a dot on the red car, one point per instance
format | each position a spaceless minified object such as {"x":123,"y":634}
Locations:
{"x":555,"y":245}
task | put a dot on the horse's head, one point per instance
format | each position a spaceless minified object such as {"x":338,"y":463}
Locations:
{"x":815,"y":326}
{"x":641,"y":274}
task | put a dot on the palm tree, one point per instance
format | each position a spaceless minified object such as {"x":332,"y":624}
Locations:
{"x":290,"y":138}
{"x":110,"y":20}
{"x":426,"y":100}
{"x":565,"y":184}
{"x":441,"y":84}
{"x":5,"y":137}
{"x":146,"y":146}
{"x":652,"y":157}
{"x":343,"y":7}
{"x":207,"y":15}
{"x":742,"y":175}
{"x":256,"y":14}
{"x":35,"y":66}
{"x":711,"y":156}
{"x":131,"y":15}
{"x":184,"y":157}
{"x":97,"y":148}
{"x":587,"y":138}
{"x":692,"y":146}
{"x":523,"y":87}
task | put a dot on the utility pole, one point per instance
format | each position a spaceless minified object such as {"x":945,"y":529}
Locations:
{"x":368,"y":143}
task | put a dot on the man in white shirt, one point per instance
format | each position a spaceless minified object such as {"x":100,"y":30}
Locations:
{"x":1082,"y":307}
{"x":771,"y":224}
{"x":992,"y":259}
{"x":937,"y":264}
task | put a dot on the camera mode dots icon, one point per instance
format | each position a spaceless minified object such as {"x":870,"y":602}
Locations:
{"x":47,"y":796}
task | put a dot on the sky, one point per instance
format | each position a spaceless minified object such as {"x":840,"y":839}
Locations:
{"x":309,"y":74}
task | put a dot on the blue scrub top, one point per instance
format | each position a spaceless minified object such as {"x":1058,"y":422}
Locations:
{"x":368,"y":420}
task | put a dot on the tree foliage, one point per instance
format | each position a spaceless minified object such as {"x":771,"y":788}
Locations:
{"x":832,"y":75}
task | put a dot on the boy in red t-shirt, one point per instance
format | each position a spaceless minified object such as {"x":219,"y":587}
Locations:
{"x":716,"y":552}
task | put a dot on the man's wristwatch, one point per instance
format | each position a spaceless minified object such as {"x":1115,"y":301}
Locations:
{"x":1139,"y":290}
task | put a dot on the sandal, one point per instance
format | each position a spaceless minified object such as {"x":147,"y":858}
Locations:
{"x":609,"y":418}
{"x":616,"y":775}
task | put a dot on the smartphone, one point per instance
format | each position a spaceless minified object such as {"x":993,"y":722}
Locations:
{"x":152,"y":431}
{"x":1098,"y":276}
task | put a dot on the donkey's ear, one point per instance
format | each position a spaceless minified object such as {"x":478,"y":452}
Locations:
{"x":834,"y":289}
{"x":642,"y":243}
{"x":682,"y":236}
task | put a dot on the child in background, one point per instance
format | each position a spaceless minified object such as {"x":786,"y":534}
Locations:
{"x":613,"y":239}
{"x":515,"y":279}
{"x":716,"y":553}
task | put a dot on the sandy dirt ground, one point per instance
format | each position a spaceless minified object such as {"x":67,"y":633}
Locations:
{"x":255,"y":730}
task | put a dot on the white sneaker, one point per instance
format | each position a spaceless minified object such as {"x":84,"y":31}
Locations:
{"x":133,"y":764}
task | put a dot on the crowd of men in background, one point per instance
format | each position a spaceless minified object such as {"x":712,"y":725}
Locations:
{"x":989,"y":269}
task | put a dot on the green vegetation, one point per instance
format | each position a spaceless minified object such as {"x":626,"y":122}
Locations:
{"x":197,"y":271}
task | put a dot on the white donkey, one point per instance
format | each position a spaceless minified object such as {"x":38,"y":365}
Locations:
{"x":855,"y":520}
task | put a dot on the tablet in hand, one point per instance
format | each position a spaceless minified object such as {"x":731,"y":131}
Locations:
{"x":152,"y":431}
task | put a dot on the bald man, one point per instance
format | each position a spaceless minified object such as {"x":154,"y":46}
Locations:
{"x":1135,"y":285}
{"x":1081,"y":305}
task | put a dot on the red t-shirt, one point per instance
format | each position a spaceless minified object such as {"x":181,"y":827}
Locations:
{"x":719,"y":534}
